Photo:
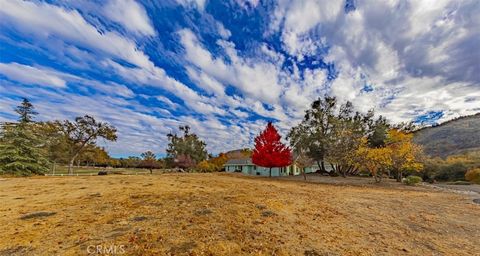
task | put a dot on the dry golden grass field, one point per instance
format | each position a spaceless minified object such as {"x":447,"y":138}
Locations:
{"x":222,"y":214}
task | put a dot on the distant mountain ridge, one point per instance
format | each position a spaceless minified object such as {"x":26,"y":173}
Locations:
{"x":452,"y":137}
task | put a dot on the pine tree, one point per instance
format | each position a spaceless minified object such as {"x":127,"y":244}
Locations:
{"x":26,"y":111}
{"x":270,"y":151}
{"x":20,"y":151}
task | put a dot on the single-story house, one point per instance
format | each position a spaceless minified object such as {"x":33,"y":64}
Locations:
{"x":246,"y":166}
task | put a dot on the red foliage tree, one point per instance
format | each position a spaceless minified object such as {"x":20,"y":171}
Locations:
{"x":270,"y":151}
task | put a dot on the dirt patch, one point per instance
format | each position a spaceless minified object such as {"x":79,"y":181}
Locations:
{"x":268,"y":214}
{"x":203,"y":211}
{"x":17,"y":250}
{"x":139,"y":218}
{"x":34,"y":215}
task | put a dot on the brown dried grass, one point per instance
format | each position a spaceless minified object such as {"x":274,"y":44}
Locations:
{"x":221,"y":214}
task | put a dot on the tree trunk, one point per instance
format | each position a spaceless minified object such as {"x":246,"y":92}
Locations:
{"x":71,"y":163}
{"x":399,"y":176}
{"x":53,"y":167}
{"x":335,"y":169}
{"x":378,"y":176}
{"x":304,"y":174}
{"x":151,"y":172}
{"x":341,"y":170}
{"x":270,"y":174}
{"x":70,"y":166}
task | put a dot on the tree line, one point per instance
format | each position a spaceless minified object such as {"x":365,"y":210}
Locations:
{"x":28,"y":147}
{"x":331,"y":135}
{"x":347,"y":140}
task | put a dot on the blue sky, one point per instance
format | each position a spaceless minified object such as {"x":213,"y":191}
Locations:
{"x":227,"y":67}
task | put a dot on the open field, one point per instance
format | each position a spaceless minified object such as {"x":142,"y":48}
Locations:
{"x":227,"y":214}
{"x":94,"y":170}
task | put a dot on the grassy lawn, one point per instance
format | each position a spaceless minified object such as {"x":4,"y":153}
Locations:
{"x":228,"y":214}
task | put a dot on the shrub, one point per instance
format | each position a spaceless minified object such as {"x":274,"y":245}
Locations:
{"x":205,"y":166}
{"x":473,"y":175}
{"x":451,"y":172}
{"x":412,"y":180}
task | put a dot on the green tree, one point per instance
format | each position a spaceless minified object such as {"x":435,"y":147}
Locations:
{"x":97,"y":156}
{"x":187,"y":150}
{"x":84,"y":131}
{"x":348,"y":129}
{"x":329,"y":135}
{"x":21,"y":150}
{"x":26,"y":110}
{"x":313,"y":134}
{"x":378,"y":133}
{"x":54,"y":144}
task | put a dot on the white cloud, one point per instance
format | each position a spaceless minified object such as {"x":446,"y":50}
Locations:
{"x":70,"y":26}
{"x":129,"y":14}
{"x":200,"y":4}
{"x":224,"y":33}
{"x":418,"y":56}
{"x":168,"y":102}
{"x":53,"y":21}
{"x":52,"y":78}
{"x":258,"y":80}
{"x":248,"y":3}
{"x":158,"y":78}
{"x":31,"y":75}
{"x":296,"y":19}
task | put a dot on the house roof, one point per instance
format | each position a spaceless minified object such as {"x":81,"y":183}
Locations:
{"x":242,"y":161}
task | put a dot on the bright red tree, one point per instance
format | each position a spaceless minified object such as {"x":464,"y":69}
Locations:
{"x":270,"y":151}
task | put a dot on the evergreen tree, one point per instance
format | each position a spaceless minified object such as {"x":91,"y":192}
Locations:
{"x":26,"y":111}
{"x":20,"y":148}
{"x":378,"y":133}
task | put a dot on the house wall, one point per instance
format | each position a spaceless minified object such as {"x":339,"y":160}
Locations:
{"x":257,"y":170}
{"x":263,"y":171}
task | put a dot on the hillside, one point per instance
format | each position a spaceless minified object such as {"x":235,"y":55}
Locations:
{"x":452,"y":137}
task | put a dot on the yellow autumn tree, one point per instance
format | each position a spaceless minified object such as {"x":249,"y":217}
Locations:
{"x":405,"y":154}
{"x":374,"y":160}
{"x":214,"y":164}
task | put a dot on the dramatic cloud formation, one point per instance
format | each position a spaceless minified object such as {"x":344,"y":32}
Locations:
{"x":227,"y":67}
